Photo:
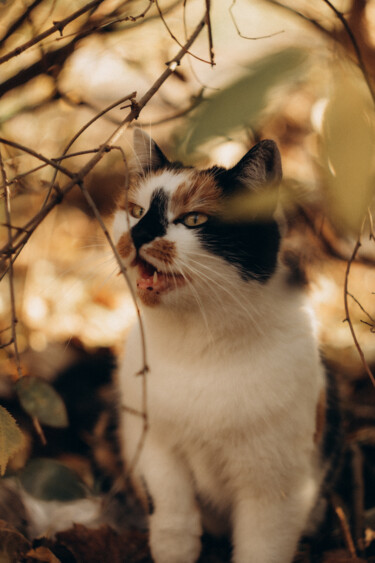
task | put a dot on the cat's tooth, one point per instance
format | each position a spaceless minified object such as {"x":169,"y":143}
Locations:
{"x":155,"y":278}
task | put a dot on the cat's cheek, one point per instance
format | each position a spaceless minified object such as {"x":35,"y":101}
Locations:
{"x":125,"y":246}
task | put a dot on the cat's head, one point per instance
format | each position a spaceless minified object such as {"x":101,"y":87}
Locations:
{"x":173,"y":233}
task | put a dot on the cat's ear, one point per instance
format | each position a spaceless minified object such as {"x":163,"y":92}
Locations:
{"x":259,"y":167}
{"x":148,"y":155}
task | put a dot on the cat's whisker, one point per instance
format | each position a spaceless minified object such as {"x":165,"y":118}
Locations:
{"x":198,"y":300}
{"x":207,"y":280}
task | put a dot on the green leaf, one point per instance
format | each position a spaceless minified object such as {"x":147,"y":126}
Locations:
{"x":348,"y":141}
{"x":40,"y":399}
{"x":48,"y":479}
{"x":242,"y":102}
{"x":11,"y":438}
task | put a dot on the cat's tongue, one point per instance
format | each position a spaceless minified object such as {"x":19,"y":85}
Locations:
{"x":150,"y":279}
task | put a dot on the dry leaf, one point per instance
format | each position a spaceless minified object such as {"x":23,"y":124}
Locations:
{"x":11,"y":438}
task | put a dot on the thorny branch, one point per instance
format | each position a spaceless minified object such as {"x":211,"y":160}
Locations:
{"x":14,"y":321}
{"x":7,"y":208}
{"x":17,"y":240}
{"x":58,"y":26}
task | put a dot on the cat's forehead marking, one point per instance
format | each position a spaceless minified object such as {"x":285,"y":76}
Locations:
{"x":165,"y":179}
{"x":198,"y":192}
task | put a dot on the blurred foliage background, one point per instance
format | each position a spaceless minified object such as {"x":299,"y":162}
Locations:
{"x":298,"y":72}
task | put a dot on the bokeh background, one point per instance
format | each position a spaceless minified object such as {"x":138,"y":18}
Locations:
{"x":298,"y":72}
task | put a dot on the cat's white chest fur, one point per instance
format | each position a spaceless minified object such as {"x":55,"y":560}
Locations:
{"x":236,"y":413}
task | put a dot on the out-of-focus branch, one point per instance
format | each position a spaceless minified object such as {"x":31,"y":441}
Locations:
{"x":19,"y":21}
{"x":175,"y":38}
{"x":20,"y":238}
{"x":348,"y":318}
{"x":355,"y":45}
{"x":13,"y":339}
{"x":58,"y":26}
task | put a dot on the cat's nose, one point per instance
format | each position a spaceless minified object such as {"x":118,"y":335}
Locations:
{"x":141,"y":235}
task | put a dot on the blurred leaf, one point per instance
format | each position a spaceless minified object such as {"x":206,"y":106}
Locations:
{"x":348,"y":150}
{"x":48,"y":479}
{"x":11,"y":438}
{"x":252,"y":205}
{"x":42,"y":553}
{"x":40,"y":399}
{"x":241,"y":103}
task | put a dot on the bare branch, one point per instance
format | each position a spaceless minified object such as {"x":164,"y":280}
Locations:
{"x":11,"y":273}
{"x":357,"y":246}
{"x":355,"y":45}
{"x":246,"y":36}
{"x":175,"y":38}
{"x":209,"y":29}
{"x":58,"y":26}
{"x":19,"y":21}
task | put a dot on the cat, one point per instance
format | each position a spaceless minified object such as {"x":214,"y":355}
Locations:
{"x":236,"y":389}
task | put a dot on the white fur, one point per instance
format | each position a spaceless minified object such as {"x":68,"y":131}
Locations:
{"x":232,"y":391}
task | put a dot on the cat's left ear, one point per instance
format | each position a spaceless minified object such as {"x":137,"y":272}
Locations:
{"x":259,"y":167}
{"x":148,"y":156}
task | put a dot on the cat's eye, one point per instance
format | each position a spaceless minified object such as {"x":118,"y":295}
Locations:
{"x":135,"y":210}
{"x":194,"y":219}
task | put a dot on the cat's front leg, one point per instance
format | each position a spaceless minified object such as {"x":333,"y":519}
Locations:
{"x":175,"y":524}
{"x":267,"y":531}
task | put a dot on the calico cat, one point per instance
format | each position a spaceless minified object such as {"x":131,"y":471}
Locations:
{"x":236,"y":388}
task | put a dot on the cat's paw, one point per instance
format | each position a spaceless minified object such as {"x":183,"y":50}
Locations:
{"x":174,"y":546}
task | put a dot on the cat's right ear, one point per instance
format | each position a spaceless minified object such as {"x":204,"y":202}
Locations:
{"x":148,"y":156}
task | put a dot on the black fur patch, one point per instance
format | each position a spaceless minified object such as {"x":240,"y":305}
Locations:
{"x":154,"y":223}
{"x":252,"y":246}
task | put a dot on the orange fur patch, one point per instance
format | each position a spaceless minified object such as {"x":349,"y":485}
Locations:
{"x":163,"y":250}
{"x":320,"y":420}
{"x":200,"y":193}
{"x":125,"y":245}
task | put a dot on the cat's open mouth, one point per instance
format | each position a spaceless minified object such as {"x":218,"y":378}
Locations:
{"x":152,"y":279}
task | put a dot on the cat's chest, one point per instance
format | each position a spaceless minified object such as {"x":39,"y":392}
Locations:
{"x":224,"y":386}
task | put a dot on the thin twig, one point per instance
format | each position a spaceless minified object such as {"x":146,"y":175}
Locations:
{"x":362,"y":308}
{"x":11,"y":271}
{"x":246,"y":36}
{"x":58,"y":26}
{"x":145,"y":368}
{"x":209,"y":30}
{"x":348,"y":319}
{"x":80,"y":175}
{"x":83,"y":128}
{"x":344,"y":527}
{"x":358,"y":496}
{"x":19,"y":21}
{"x":355,"y":45}
{"x":175,"y":38}
{"x":13,"y":312}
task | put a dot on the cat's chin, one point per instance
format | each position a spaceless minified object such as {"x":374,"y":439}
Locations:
{"x":152,"y":283}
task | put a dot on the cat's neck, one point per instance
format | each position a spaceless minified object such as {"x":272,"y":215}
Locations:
{"x":252,"y":313}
